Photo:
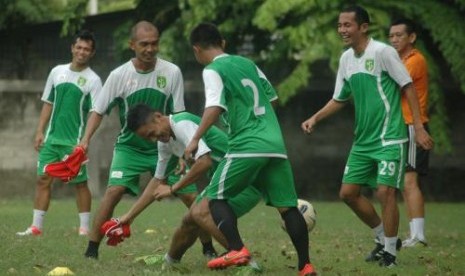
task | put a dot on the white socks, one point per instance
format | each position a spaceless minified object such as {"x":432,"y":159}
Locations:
{"x":379,"y":233}
{"x":84,"y":219}
{"x":417,"y":228}
{"x":38,"y":218}
{"x":388,"y":242}
{"x":390,"y":245}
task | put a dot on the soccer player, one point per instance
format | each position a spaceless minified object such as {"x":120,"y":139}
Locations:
{"x":256,"y":154}
{"x":68,"y":95}
{"x":143,"y":79}
{"x":402,"y":36}
{"x":371,"y":73}
{"x":173,"y":133}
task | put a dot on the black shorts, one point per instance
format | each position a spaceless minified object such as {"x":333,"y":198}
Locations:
{"x":417,"y":157}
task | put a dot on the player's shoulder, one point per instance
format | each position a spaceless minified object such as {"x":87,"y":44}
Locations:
{"x":382,"y":47}
{"x":165,"y":65}
{"x":92,"y":74}
{"x":60,"y":68}
{"x":123,"y":68}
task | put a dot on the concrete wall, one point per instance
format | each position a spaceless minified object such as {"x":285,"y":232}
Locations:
{"x":318,"y":159}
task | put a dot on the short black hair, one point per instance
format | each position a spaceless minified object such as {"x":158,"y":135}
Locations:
{"x":138,"y":116}
{"x":410,"y":27}
{"x":85,"y":35}
{"x":361,"y":15}
{"x":206,"y":35}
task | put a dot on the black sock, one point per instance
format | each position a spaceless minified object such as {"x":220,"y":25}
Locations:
{"x":226,"y":221}
{"x":297,"y":230}
{"x":207,"y":247}
{"x":92,"y":250}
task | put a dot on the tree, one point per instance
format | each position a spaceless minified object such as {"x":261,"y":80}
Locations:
{"x":16,"y":14}
{"x":302,"y":32}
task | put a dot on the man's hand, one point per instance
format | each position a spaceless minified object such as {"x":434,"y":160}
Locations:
{"x":309,"y":125}
{"x":423,"y":139}
{"x":191,"y":149}
{"x":162,"y":191}
{"x":84,"y":144}
{"x":181,"y":168}
{"x":38,"y":140}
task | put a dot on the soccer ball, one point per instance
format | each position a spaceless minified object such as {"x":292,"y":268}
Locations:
{"x":308,"y":212}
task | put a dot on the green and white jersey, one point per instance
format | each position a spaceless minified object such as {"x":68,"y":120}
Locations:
{"x":71,"y":94}
{"x":373,"y":80}
{"x":162,"y":89}
{"x":184,"y":125}
{"x":236,"y":85}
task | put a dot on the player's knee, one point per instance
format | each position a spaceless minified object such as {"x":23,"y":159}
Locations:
{"x":188,"y":223}
{"x":200,"y":213}
{"x":44,"y":181}
{"x":113,"y":194}
{"x":385,"y":193}
{"x":346,"y":196}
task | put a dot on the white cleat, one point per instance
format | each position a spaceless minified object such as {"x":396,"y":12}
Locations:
{"x":414,"y":242}
{"x":30,"y":231}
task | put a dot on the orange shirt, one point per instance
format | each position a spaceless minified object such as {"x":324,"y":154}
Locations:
{"x":416,"y":66}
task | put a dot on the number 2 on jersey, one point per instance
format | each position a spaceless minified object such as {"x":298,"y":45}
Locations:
{"x":257,"y":110}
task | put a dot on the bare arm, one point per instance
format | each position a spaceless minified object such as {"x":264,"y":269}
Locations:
{"x":43,"y":121}
{"x":144,"y":200}
{"x":422,"y":137}
{"x":330,"y":108}
{"x":93,"y":122}
{"x":209,"y":117}
{"x":199,"y":168}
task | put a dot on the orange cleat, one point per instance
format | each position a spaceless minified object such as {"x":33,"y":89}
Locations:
{"x":308,"y":270}
{"x":238,"y":258}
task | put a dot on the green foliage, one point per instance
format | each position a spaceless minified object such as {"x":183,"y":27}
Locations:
{"x":19,"y":13}
{"x":74,"y":17}
{"x":298,"y":33}
{"x":121,"y":40}
{"x":105,"y":6}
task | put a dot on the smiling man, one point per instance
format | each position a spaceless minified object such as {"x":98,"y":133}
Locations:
{"x":148,"y":79}
{"x":68,"y":96}
{"x":373,"y":76}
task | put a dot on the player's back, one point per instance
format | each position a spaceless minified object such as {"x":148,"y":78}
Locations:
{"x":253,"y":126}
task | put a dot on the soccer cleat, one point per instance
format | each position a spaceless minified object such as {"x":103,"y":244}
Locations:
{"x":375,"y":254}
{"x":387,"y":260}
{"x":83,"y":231}
{"x":241,"y":257}
{"x":308,"y":270}
{"x":30,"y":231}
{"x":414,"y":242}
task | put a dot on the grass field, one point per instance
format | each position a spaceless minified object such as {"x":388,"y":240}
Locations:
{"x":338,"y":243}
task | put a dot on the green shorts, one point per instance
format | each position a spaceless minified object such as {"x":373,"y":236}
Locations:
{"x":382,"y":166}
{"x":241,"y":203}
{"x":271,"y":176}
{"x":128,"y":164}
{"x":55,"y":153}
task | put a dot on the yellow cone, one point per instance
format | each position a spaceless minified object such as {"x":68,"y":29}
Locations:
{"x":59,"y":271}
